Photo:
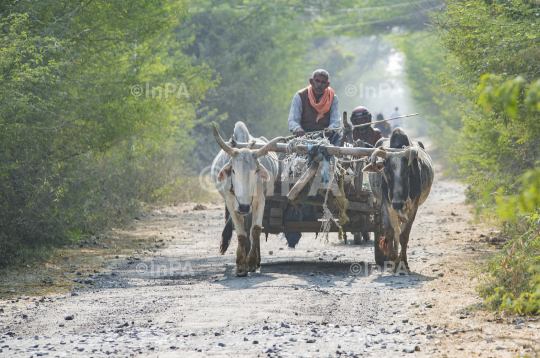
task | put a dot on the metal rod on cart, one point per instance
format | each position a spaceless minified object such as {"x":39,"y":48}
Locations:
{"x":356,"y":126}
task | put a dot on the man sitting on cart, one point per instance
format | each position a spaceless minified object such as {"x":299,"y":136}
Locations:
{"x":367,"y":134}
{"x":314,"y":108}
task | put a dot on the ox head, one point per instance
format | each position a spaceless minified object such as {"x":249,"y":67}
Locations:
{"x":245,"y":171}
{"x":396,"y":169}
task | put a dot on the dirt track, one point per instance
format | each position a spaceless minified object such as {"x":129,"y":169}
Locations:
{"x":180,"y":298}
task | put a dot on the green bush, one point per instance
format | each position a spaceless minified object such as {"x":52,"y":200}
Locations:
{"x":511,"y":280}
{"x":497,"y":150}
{"x":499,"y":141}
{"x":74,"y":142}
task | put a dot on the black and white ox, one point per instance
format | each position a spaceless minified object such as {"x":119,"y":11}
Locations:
{"x":243,"y":177}
{"x":401,"y":182}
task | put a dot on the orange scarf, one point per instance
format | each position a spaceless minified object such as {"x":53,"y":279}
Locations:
{"x":324,"y":104}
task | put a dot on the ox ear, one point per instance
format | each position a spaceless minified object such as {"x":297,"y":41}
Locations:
{"x":369,"y":168}
{"x":262,"y":172}
{"x":225,"y":172}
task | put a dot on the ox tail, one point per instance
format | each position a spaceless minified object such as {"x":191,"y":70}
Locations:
{"x":226,"y":236}
{"x":383,"y":245}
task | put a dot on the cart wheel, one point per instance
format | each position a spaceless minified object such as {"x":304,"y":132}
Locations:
{"x":365,"y":235}
{"x":380,"y":257}
{"x":357,"y":239}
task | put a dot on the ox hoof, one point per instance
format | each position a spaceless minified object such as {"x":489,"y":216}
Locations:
{"x":241,"y":272}
{"x":402,"y":268}
{"x":252,"y":269}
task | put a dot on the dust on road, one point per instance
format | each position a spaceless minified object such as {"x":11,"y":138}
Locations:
{"x":169,"y":293}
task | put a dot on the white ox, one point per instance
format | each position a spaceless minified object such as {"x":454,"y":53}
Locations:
{"x":243,"y":177}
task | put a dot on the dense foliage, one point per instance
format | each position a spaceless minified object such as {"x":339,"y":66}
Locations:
{"x":493,"y":37}
{"x":498,"y":148}
{"x":511,"y":279}
{"x":66,"y":71}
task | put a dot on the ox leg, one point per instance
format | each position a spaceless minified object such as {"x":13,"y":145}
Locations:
{"x":404,"y":239}
{"x":258,"y":253}
{"x":393,"y":244}
{"x":241,"y":263}
{"x":254,"y":256}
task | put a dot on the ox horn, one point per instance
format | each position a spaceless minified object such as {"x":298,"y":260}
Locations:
{"x":268,"y":145}
{"x":411,"y":153}
{"x":377,"y":153}
{"x":228,"y":149}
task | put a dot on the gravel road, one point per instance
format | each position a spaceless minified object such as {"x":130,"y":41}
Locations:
{"x":180,"y":298}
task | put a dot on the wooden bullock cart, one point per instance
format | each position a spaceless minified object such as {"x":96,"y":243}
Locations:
{"x":362,"y":210}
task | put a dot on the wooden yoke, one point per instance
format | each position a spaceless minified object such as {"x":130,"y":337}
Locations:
{"x":303,"y":149}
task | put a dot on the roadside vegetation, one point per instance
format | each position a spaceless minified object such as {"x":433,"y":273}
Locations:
{"x":78,"y":150}
{"x":495,"y":43}
{"x":476,"y":78}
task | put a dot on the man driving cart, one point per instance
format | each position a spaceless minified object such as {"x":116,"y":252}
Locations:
{"x":314,"y":108}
